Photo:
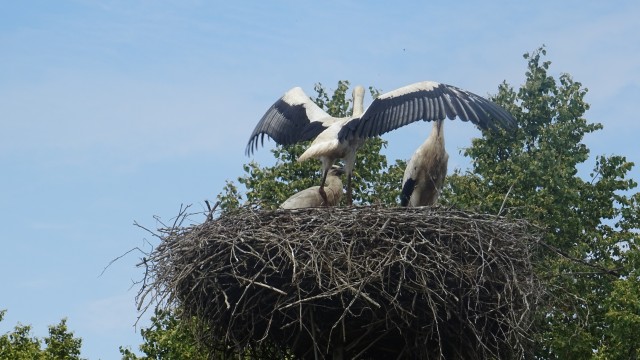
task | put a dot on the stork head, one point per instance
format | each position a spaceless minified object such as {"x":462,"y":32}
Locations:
{"x":336,"y":170}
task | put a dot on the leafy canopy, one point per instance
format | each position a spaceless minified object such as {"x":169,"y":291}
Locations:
{"x":167,"y":338}
{"x":591,"y":262}
{"x":590,"y":224}
{"x":21,"y":344}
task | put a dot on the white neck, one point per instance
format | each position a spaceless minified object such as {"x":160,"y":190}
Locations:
{"x":358,"y":101}
{"x":438,"y":130}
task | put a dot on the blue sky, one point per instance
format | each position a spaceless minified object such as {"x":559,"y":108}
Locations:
{"x":115,"y":111}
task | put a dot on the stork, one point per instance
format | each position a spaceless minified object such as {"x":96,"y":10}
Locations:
{"x":294,"y":118}
{"x":425,"y":172}
{"x":429,"y":101}
{"x":311,"y":197}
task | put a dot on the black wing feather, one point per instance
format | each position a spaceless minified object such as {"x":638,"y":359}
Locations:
{"x":428,"y":102}
{"x":283,"y":123}
{"x":312,"y":130}
{"x":407,"y":190}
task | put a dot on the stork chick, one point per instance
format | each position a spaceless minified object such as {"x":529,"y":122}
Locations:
{"x":311,"y":197}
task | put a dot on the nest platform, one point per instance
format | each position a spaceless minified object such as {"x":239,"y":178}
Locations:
{"x":352,"y":282}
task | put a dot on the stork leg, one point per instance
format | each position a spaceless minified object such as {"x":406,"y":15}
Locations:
{"x":349,"y":195}
{"x":321,"y":191}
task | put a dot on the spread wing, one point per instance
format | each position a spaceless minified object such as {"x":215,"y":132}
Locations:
{"x":293,"y":118}
{"x":428,"y":101}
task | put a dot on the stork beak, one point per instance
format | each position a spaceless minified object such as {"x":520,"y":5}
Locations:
{"x":337,"y":170}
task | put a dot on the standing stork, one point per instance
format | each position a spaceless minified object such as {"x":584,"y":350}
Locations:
{"x":294,"y":118}
{"x":429,"y":101}
{"x":425,"y":172}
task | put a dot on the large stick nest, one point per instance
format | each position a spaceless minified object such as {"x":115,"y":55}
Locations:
{"x":356,"y":282}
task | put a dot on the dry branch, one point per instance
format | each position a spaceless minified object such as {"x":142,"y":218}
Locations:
{"x":371,"y":282}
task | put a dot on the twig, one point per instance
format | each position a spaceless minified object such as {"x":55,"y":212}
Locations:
{"x":505,"y":199}
{"x":601,"y":269}
{"x":386,"y":276}
{"x":120,"y":257}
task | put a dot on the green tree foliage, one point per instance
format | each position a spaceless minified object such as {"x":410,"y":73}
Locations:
{"x":591,"y":258}
{"x":172,"y":337}
{"x":374,"y":180}
{"x":20,"y":344}
{"x":590,"y":224}
{"x":61,"y":344}
{"x":167,"y":338}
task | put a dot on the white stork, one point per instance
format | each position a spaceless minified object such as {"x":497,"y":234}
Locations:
{"x":311,"y":197}
{"x":294,"y":118}
{"x":425,"y":172}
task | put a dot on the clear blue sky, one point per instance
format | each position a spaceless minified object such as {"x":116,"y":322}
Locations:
{"x":115,"y":111}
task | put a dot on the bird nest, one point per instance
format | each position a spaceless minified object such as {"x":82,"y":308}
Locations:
{"x":352,"y":282}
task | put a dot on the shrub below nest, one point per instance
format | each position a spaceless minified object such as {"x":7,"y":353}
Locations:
{"x":353,"y":282}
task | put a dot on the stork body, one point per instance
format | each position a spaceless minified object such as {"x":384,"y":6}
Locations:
{"x":424,"y":176}
{"x":296,"y":118}
{"x":311,"y":197}
{"x":327,"y":148}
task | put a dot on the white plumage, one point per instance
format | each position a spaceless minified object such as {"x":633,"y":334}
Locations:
{"x":294,"y":118}
{"x":425,"y":172}
{"x":311,"y":197}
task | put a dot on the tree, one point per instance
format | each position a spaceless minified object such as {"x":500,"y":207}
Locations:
{"x":61,"y":344}
{"x":20,"y":344}
{"x":589,"y":257}
{"x":590,"y":225}
{"x":167,"y":338}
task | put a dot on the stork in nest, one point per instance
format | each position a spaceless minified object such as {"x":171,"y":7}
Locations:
{"x":295,"y":118}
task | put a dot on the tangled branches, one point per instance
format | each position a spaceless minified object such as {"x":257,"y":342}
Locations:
{"x":359,"y":282}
